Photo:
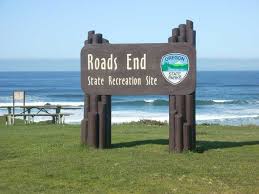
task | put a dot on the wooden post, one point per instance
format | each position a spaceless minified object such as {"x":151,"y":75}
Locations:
{"x":182,"y":133}
{"x":190,"y":99}
{"x":84,"y":122}
{"x":96,"y":125}
{"x":180,"y":99}
{"x":172,"y":104}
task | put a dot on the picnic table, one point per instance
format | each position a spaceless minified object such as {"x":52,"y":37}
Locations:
{"x":30,"y":111}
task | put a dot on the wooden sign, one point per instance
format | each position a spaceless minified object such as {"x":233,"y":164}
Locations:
{"x":128,"y":69}
{"x":140,"y":69}
{"x":18,"y":95}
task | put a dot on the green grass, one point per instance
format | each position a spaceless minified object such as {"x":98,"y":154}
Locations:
{"x":43,"y":158}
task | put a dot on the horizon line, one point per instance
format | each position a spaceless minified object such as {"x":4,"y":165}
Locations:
{"x":80,"y":71}
{"x":73,"y":58}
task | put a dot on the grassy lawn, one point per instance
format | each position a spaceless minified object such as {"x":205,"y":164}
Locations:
{"x":42,"y":158}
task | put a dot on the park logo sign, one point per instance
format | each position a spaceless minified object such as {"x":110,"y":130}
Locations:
{"x":175,"y":67}
{"x":140,"y":69}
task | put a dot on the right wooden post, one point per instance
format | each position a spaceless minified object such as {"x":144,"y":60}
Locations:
{"x":182,"y":131}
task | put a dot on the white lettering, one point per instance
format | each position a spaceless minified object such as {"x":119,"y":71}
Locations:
{"x":90,"y":62}
{"x":95,"y":81}
{"x":102,"y":63}
{"x":136,"y":63}
{"x":128,"y":60}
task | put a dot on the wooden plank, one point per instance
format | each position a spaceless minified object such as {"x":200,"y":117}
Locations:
{"x":189,"y":24}
{"x":182,"y":36}
{"x":172,"y":131}
{"x":180,"y":105}
{"x":186,"y":136}
{"x":84,"y":130}
{"x":172,"y":112}
{"x":108,"y":122}
{"x":172,"y":103}
{"x":92,"y":135}
{"x":189,"y":108}
{"x":189,"y":32}
{"x":178,"y":133}
{"x":106,"y":100}
{"x":90,"y":37}
{"x":190,"y":115}
{"x":102,"y":124}
{"x":97,"y":38}
{"x":84,"y":122}
{"x":194,"y":123}
{"x":175,"y":32}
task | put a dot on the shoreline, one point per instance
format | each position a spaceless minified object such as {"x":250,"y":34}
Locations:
{"x":140,"y":121}
{"x":128,"y":109}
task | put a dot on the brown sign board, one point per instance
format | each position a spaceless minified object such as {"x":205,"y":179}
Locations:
{"x":137,"y":69}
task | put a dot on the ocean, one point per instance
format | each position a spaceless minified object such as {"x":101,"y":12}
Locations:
{"x":222,"y":97}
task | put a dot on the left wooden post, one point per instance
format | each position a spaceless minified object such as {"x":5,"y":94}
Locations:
{"x":96,"y":124}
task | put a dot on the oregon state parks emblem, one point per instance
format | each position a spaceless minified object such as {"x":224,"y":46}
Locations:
{"x":175,"y":67}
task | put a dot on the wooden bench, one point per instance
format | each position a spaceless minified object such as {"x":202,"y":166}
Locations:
{"x":57,"y":118}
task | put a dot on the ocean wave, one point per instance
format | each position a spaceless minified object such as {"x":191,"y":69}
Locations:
{"x":164,"y":102}
{"x":222,"y":101}
{"x":215,"y":102}
{"x":42,"y":103}
{"x":240,"y":85}
{"x":151,"y":102}
{"x":66,"y":96}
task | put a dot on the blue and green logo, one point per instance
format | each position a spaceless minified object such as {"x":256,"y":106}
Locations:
{"x":174,"y":67}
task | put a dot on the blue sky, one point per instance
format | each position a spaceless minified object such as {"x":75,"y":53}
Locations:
{"x":57,"y":29}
